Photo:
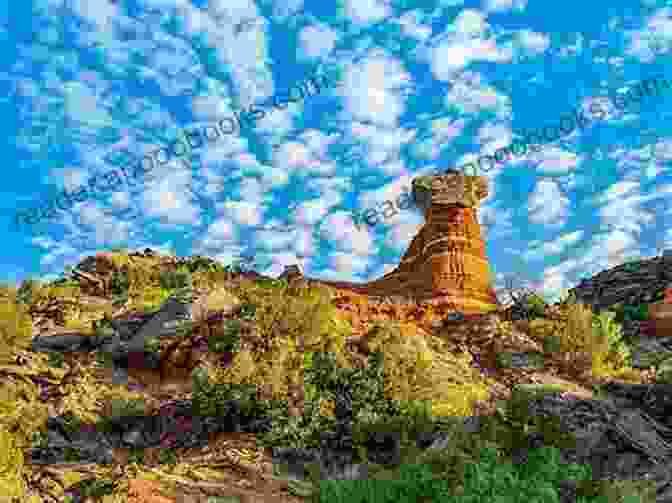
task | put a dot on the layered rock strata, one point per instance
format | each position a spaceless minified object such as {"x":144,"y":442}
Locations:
{"x":633,"y":283}
{"x":446,"y":262}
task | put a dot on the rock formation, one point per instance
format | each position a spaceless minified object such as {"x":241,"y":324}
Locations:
{"x":633,"y":283}
{"x":446,"y":262}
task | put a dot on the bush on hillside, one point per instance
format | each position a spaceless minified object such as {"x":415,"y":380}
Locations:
{"x":22,"y":413}
{"x":593,"y":341}
{"x":480,"y":481}
{"x":25,"y":293}
{"x":15,"y":328}
{"x":150,"y":298}
{"x":288,"y":324}
{"x":536,"y":306}
{"x":120,"y":283}
{"x":171,"y":280}
{"x":419,"y":368}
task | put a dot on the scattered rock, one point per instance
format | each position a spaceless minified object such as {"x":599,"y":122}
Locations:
{"x":64,"y":343}
{"x":640,"y":282}
{"x":455,"y":316}
{"x":291,"y":272}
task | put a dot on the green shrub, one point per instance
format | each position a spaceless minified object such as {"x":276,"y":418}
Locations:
{"x":71,"y":454}
{"x":120,"y":409}
{"x":24,"y":295}
{"x":167,"y":456}
{"x":15,"y":328}
{"x":229,"y":340}
{"x":119,"y":283}
{"x":610,"y":345}
{"x":136,"y":455}
{"x":184,"y":328}
{"x":209,"y":398}
{"x":638,"y":312}
{"x":171,"y":280}
{"x":104,"y":359}
{"x":512,"y":425}
{"x":56,"y":360}
{"x":72,"y":423}
{"x":127,"y":408}
{"x":96,"y":488}
{"x":150,"y":299}
{"x":288,"y":323}
{"x":323,"y":377}
{"x":204,"y":264}
{"x":552,"y":343}
{"x":247,"y":311}
{"x":535,"y":306}
{"x":152,"y":344}
{"x":422,"y":368}
{"x":487,"y":480}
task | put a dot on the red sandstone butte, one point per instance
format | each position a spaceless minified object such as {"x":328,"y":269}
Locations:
{"x":446,"y":263}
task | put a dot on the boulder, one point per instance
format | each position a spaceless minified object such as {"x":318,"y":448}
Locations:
{"x":163,"y":323}
{"x":291,"y":272}
{"x":64,"y":343}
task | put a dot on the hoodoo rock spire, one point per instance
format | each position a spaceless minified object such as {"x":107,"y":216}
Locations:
{"x":446,"y":262}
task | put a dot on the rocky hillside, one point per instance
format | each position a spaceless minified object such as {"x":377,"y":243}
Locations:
{"x":147,"y":378}
{"x":637,"y":282}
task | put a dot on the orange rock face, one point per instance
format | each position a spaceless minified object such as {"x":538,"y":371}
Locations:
{"x":446,"y":262}
{"x":146,"y":491}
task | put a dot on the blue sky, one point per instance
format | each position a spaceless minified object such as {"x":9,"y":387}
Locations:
{"x":421,"y":86}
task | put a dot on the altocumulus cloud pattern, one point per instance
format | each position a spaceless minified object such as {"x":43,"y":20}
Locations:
{"x":134,"y":168}
{"x":218,"y":101}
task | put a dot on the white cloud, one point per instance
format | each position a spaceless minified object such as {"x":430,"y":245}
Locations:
{"x":533,"y":42}
{"x":366,"y":11}
{"x":317,"y":41}
{"x":372,"y":90}
{"x":470,"y":96}
{"x":470,"y":23}
{"x":558,"y":246}
{"x":169,"y":198}
{"x":547,"y":205}
{"x":504,"y":5}
{"x":412,"y":26}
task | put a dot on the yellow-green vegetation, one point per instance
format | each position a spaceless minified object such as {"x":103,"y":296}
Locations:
{"x":288,"y":323}
{"x":120,"y":258}
{"x":15,"y":327}
{"x":85,"y":398}
{"x":217,"y":299}
{"x":82,"y":326}
{"x":143,"y":282}
{"x":46,"y":293}
{"x":293,"y":323}
{"x":420,"y":368}
{"x":66,"y":293}
{"x":21,"y":411}
{"x":584,"y":336}
{"x":423,"y":181}
{"x":149,"y":298}
{"x":12,"y":484}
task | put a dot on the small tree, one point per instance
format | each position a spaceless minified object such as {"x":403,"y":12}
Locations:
{"x":523,"y":302}
{"x":244,"y":263}
{"x":24,"y":295}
